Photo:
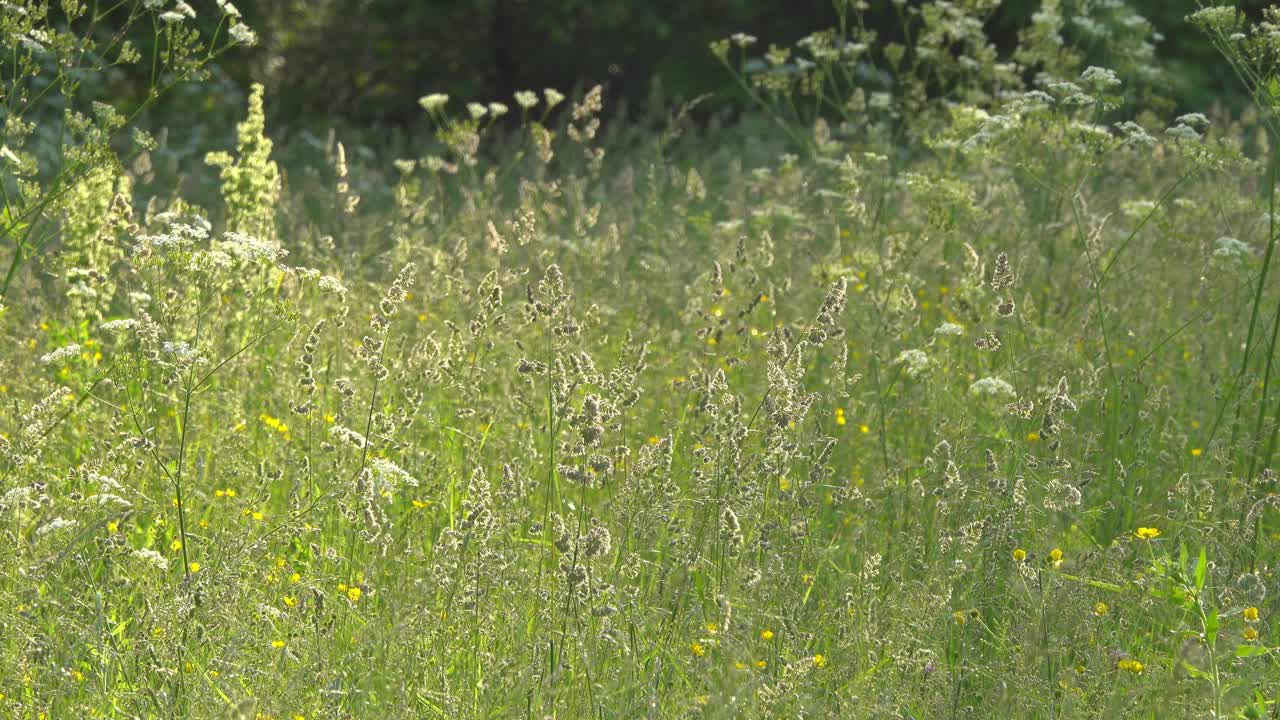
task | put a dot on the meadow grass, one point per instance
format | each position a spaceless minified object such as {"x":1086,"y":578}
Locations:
{"x":947,"y":399}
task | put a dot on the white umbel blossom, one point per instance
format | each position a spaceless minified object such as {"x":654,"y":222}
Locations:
{"x":61,"y":354}
{"x":993,"y":387}
{"x":433,"y":102}
{"x":526,"y":99}
{"x":242,"y":34}
{"x":914,"y":362}
{"x":152,"y":557}
{"x":55,"y":525}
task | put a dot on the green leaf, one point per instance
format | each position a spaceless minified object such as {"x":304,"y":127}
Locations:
{"x":1202,"y":568}
{"x":1194,"y":671}
{"x":1252,"y":650}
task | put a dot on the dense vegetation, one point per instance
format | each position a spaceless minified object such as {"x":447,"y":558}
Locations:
{"x":941,"y":385}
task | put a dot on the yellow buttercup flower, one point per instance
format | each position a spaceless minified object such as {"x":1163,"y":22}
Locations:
{"x":1147,"y":533}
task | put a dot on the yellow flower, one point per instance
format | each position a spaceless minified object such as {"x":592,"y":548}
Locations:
{"x":1100,"y":609}
{"x":784,"y":484}
{"x":1250,"y":634}
{"x":290,"y":601}
{"x":1196,"y":452}
{"x":157,"y":631}
{"x":1132,"y":666}
{"x":1251,"y":614}
{"x":864,"y":429}
{"x":1147,"y":533}
{"x":712,"y":628}
{"x":354,"y":593}
{"x":257,"y":515}
{"x":697,"y":649}
{"x":194,"y":567}
{"x":1033,"y":436}
{"x":840,"y":416}
{"x":1019,"y":555}
{"x":766,"y":635}
{"x":176,"y":545}
{"x":79,"y":676}
{"x":762,"y":664}
{"x":113,"y":526}
{"x":277,"y":644}
{"x":960,"y":617}
{"x":820,"y":660}
{"x":1055,"y":556}
{"x":295,"y":577}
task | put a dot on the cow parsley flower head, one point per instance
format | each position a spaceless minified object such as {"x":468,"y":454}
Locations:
{"x":914,"y":362}
{"x":433,"y":102}
{"x":1100,"y":78}
{"x":526,"y":99}
{"x":993,"y":387}
{"x":57,"y":357}
{"x":1229,"y":247}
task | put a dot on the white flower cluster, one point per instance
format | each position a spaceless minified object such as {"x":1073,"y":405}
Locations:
{"x":914,"y":362}
{"x":61,"y":354}
{"x":993,"y":387}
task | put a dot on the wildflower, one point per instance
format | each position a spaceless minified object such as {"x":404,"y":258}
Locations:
{"x":864,"y":429}
{"x":712,"y":628}
{"x":433,"y":102}
{"x":277,"y":644}
{"x":766,"y":635}
{"x":194,"y":567}
{"x":1196,"y":452}
{"x":820,"y":660}
{"x":1132,"y":666}
{"x":477,"y":110}
{"x":526,"y":99}
{"x":1147,"y":533}
{"x":960,"y":617}
{"x":295,"y":577}
{"x":290,"y":601}
{"x":1250,"y":614}
{"x":58,"y":356}
{"x":243,"y":35}
{"x":1055,"y":556}
{"x":354,"y":593}
{"x":1100,"y":609}
{"x":113,"y":526}
{"x":1033,"y":436}
{"x":993,"y":387}
{"x":554,"y":97}
{"x":1250,"y":634}
{"x":175,"y":546}
{"x":840,"y":416}
{"x":697,"y":649}
{"x":1019,"y":555}
{"x":914,"y":362}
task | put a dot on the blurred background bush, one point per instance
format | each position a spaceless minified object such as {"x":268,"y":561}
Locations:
{"x":364,"y":63}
